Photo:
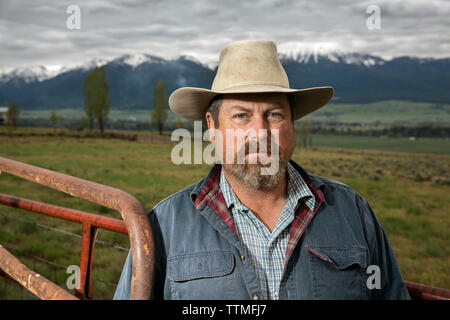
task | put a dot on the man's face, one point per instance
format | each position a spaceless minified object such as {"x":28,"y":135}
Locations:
{"x":251,"y":113}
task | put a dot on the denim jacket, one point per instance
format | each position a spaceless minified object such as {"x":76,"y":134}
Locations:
{"x":343,"y":252}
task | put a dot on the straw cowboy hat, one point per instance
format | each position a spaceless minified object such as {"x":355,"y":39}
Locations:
{"x":247,"y":67}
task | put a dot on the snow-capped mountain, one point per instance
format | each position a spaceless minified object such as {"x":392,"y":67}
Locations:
{"x":317,"y":53}
{"x":301,"y":55}
{"x":356,"y":77}
{"x":91,"y":64}
{"x":135,"y":60}
{"x":28,"y":74}
{"x":334,"y":56}
{"x":41,"y":73}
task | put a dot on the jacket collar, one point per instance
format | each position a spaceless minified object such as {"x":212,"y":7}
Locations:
{"x":309,"y":178}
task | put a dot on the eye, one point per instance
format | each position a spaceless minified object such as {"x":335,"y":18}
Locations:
{"x":239,"y":116}
{"x":276,"y":115}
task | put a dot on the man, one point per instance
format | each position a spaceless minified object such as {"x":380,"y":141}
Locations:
{"x":242,"y":234}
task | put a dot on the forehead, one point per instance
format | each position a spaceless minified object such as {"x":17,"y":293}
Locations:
{"x":255,"y":100}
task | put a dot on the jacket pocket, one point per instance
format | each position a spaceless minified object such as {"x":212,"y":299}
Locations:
{"x":200,"y":265}
{"x":203,"y":275}
{"x":338,"y":273}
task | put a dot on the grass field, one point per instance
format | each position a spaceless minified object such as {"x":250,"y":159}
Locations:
{"x":397,"y":144}
{"x":407,"y":191}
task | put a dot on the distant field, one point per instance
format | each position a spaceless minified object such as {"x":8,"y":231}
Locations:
{"x":422,"y":145}
{"x":408,"y":193}
{"x":384,"y":112}
{"x":77,"y":114}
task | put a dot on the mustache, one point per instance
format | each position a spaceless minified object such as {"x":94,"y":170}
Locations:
{"x":268,"y":151}
{"x":257,"y":146}
{"x":244,"y":143}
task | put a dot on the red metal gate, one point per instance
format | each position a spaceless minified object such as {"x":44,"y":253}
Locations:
{"x":135,"y":223}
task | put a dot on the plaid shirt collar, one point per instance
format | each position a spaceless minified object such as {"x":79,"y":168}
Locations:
{"x":208,"y":193}
{"x":297,"y":189}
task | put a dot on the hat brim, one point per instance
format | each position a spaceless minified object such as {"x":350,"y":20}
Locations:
{"x":191,"y":103}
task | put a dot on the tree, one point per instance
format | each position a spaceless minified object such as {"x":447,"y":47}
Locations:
{"x":96,"y":101}
{"x":12,"y":115}
{"x":89,"y":98}
{"x":159,"y":113}
{"x":55,"y":119}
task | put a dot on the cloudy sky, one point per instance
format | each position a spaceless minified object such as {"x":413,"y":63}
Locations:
{"x":35,"y":32}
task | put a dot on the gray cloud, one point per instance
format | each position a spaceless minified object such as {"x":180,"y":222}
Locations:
{"x":35,"y":33}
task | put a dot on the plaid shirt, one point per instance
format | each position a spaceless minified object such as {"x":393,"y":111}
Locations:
{"x":267,"y":250}
{"x":211,"y":194}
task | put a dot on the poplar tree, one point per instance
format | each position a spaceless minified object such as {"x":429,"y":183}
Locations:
{"x":159,"y":113}
{"x":96,"y":101}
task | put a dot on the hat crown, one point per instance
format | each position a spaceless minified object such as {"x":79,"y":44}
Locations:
{"x":250,"y":62}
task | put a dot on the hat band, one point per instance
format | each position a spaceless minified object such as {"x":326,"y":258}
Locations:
{"x":247,"y":84}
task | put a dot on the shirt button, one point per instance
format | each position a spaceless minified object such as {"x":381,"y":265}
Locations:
{"x":255,"y":297}
{"x":242,"y":257}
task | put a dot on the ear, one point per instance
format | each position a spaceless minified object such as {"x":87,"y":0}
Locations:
{"x":211,"y":126}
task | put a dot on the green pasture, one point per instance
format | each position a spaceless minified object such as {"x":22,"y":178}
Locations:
{"x":384,"y":112}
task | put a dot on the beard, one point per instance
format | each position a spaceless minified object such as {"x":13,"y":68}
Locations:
{"x":250,"y":173}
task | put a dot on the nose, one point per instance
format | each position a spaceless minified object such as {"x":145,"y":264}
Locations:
{"x":259,"y":129}
{"x":259,"y":122}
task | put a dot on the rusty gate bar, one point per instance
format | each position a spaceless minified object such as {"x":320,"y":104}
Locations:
{"x":32,"y":281}
{"x":78,"y":216}
{"x":133,"y":214}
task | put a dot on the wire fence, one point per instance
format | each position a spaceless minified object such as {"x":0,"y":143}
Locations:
{"x":57,"y":273}
{"x":72,"y":234}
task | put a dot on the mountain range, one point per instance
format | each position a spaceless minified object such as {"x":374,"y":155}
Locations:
{"x":356,"y":77}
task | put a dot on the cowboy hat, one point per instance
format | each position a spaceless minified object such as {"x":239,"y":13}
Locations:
{"x":248,"y":67}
